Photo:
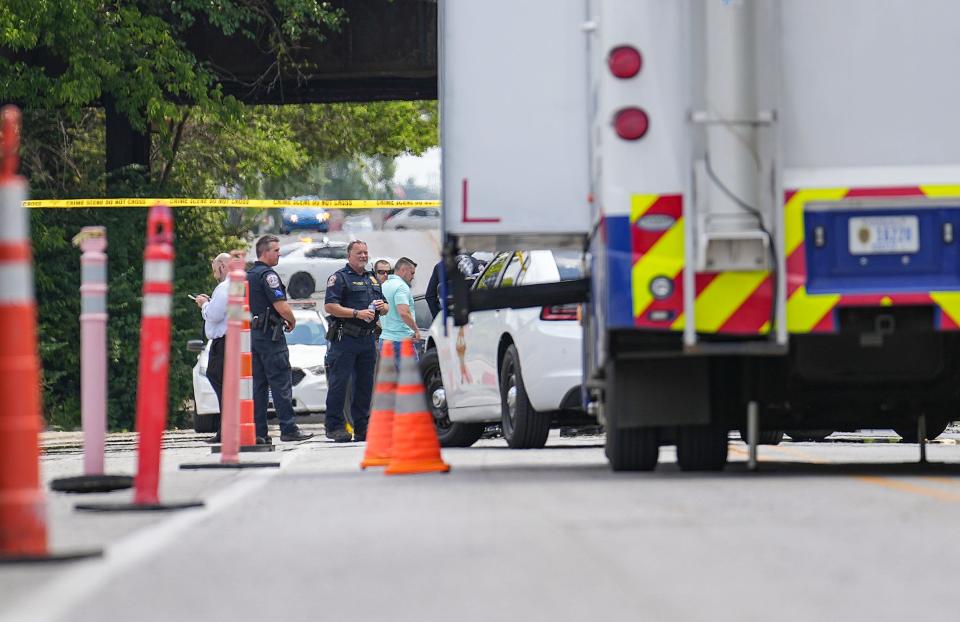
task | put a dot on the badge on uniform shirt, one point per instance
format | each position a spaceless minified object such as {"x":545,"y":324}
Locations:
{"x":331,"y":281}
{"x":273,"y":280}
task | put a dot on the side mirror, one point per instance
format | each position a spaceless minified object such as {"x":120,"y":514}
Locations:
{"x":195,"y":345}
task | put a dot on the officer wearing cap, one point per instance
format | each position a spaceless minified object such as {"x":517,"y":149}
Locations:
{"x":270,"y":317}
{"x":354,"y":301}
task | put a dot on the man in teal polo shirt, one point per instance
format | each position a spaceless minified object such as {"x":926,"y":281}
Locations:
{"x":400,"y":322}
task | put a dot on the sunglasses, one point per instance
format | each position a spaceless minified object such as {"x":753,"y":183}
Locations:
{"x":387,"y":272}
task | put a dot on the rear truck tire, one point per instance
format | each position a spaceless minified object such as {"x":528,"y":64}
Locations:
{"x":808,"y":436}
{"x":206,"y":424}
{"x":449,"y":433}
{"x":935,"y":427}
{"x":301,"y":285}
{"x":632,"y":449}
{"x":701,"y":447}
{"x":627,"y":448}
{"x":523,"y":427}
{"x":767,"y":437}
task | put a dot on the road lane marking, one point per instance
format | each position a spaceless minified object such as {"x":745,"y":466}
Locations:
{"x":59,"y":598}
{"x":886,"y":482}
{"x":894,"y":484}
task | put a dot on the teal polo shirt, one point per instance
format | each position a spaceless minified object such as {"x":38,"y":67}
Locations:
{"x":396,"y":292}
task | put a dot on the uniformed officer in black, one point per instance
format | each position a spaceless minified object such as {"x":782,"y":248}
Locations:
{"x":270,"y":317}
{"x":354,"y":301}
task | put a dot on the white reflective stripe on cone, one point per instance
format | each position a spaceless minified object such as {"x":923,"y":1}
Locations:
{"x":14,"y":221}
{"x":156,"y":305}
{"x":157,"y":271}
{"x":246,"y":388}
{"x":16,"y":282}
{"x":244,"y":341}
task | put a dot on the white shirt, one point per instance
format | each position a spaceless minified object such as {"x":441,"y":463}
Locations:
{"x":215,"y":312}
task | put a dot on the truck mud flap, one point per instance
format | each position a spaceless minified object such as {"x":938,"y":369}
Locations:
{"x":660,"y":392}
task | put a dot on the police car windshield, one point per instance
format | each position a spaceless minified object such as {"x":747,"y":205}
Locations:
{"x":307,"y":332}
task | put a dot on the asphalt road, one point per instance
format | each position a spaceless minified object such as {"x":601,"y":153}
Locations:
{"x":842,"y":530}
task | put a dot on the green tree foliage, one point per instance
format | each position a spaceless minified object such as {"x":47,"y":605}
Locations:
{"x":61,"y":59}
{"x":69,"y":54}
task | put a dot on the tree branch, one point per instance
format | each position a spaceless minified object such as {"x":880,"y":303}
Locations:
{"x":175,"y":148}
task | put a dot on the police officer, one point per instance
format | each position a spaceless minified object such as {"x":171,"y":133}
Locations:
{"x":469,"y":266}
{"x":354,"y":301}
{"x":271,"y":315}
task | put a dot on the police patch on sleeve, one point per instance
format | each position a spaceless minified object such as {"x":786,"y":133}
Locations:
{"x":331,"y":280}
{"x":273,"y":280}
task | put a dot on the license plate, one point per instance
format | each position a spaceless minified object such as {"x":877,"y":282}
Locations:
{"x":876,"y":235}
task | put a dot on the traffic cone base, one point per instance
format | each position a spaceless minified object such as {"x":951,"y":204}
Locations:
{"x":246,"y":448}
{"x":82,"y":484}
{"x":228,"y":465}
{"x":380,"y":429}
{"x":379,"y":434}
{"x":137,"y":507}
{"x":416,"y":448}
{"x":51,"y":557}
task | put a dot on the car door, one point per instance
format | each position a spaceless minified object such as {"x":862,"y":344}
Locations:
{"x":488,"y":328}
{"x":471,"y":352}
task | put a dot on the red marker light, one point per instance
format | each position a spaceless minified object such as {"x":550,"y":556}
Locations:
{"x":624,"y":61}
{"x":631,"y":123}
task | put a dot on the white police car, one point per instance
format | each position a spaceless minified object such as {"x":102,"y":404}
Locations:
{"x":308,"y":347}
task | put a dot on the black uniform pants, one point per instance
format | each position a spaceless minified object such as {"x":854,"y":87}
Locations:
{"x":271,"y":370}
{"x":215,"y":369}
{"x":356,"y":358}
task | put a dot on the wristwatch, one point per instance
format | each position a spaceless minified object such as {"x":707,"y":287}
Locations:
{"x":354,"y":313}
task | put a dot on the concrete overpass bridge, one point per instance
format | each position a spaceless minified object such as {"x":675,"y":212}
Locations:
{"x":384,"y":51}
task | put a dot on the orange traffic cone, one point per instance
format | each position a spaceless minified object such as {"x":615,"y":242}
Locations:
{"x":380,"y":429}
{"x":416,"y":448}
{"x":23,"y":520}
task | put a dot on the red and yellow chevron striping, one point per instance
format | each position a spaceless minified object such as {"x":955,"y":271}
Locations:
{"x":739,"y":302}
{"x":725,"y":302}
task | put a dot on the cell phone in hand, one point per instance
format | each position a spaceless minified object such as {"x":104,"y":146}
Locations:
{"x":192,"y":297}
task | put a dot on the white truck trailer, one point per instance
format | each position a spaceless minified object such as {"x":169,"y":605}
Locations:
{"x":767,"y":194}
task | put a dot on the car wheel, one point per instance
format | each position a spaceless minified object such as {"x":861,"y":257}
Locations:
{"x":301,"y":285}
{"x":808,"y":436}
{"x":450,"y":434}
{"x":205,"y":424}
{"x":523,"y":427}
{"x":935,"y":427}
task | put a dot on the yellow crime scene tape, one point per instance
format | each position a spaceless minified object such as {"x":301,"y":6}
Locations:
{"x":248,"y":203}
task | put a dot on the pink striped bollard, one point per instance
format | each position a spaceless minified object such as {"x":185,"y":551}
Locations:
{"x":93,"y":368}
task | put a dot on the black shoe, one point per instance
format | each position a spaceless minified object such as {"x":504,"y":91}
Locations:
{"x":339,"y":436}
{"x":264,"y":440}
{"x":295,"y":435}
{"x":213,"y":439}
{"x":360,"y":437}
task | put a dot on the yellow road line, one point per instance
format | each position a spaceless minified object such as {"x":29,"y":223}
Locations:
{"x":894,"y":484}
{"x":886,"y":482}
